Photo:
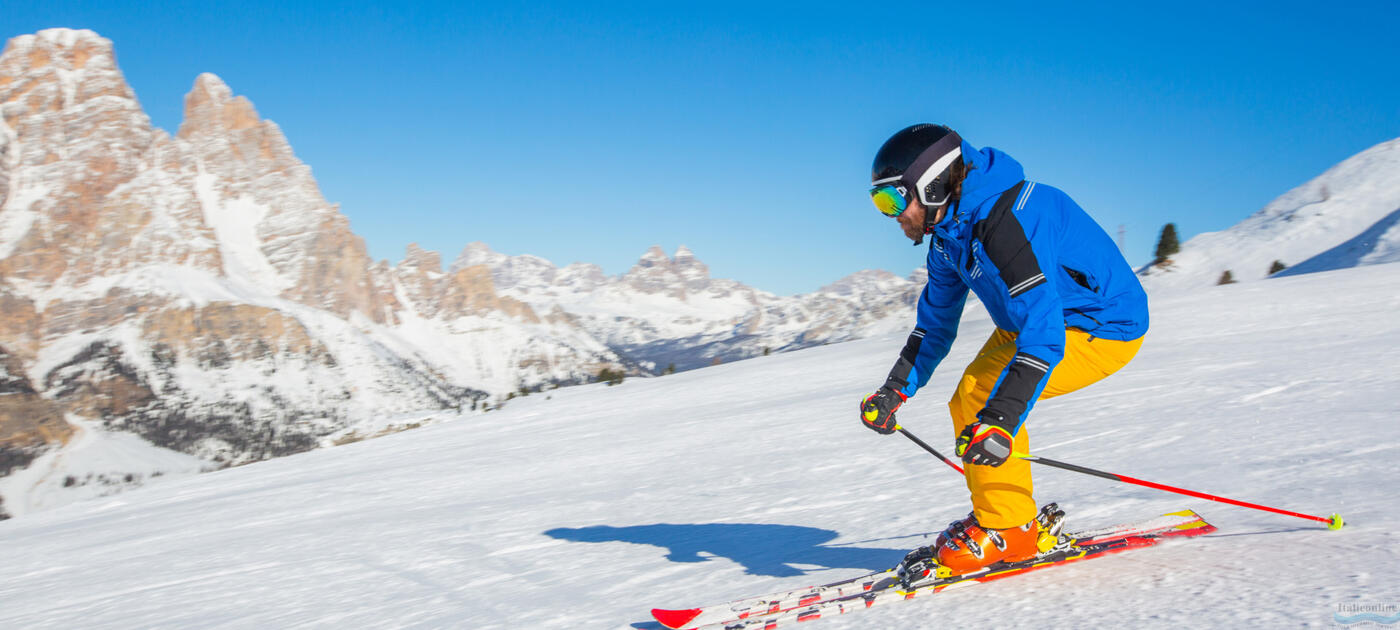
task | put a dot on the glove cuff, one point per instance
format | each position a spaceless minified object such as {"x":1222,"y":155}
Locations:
{"x":997,"y":419}
{"x":896,"y":388}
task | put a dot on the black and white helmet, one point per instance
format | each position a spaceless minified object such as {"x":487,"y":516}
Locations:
{"x":918,"y":158}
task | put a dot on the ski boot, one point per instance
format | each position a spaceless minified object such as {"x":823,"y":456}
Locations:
{"x":965,"y":546}
{"x":925,"y":562}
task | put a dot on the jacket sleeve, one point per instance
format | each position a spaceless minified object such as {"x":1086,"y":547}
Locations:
{"x":940,"y":308}
{"x":1020,"y":241}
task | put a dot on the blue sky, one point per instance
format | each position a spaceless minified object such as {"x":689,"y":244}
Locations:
{"x":745,"y":131}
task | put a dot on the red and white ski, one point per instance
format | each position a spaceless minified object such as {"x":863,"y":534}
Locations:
{"x":782,"y":609}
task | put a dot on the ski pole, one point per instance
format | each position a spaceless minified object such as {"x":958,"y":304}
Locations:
{"x":1334,"y":522}
{"x":928,"y":448}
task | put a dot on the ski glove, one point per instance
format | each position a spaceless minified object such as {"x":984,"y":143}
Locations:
{"x":987,"y":441}
{"x":877,"y":410}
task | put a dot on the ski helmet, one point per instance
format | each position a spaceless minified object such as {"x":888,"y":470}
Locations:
{"x":918,"y":158}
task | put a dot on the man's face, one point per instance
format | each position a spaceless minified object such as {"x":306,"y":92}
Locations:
{"x":912,"y":219}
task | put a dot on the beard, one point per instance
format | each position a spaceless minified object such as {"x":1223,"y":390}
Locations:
{"x":914,"y":226}
{"x":915,"y":232}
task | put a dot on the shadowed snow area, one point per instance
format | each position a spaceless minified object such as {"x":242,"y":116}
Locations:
{"x":1379,"y":243}
{"x":590,"y":506}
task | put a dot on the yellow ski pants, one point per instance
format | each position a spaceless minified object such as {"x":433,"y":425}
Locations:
{"x":1001,"y":495}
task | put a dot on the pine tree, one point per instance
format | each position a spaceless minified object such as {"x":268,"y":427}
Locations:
{"x":1167,"y":243}
{"x":1277,"y":267}
{"x":1226,"y":278}
{"x":670,"y":368}
{"x":611,"y":376}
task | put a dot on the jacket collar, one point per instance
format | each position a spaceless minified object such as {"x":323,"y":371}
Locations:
{"x":992,"y":172}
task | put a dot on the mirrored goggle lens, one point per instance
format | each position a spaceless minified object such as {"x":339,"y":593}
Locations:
{"x":889,"y":200}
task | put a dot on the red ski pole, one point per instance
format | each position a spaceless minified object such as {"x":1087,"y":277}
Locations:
{"x":1333,"y":522}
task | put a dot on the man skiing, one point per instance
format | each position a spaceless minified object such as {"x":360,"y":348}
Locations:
{"x":1067,"y":307}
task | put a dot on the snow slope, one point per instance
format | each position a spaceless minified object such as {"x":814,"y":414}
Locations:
{"x":587,"y":507}
{"x":1341,"y":218}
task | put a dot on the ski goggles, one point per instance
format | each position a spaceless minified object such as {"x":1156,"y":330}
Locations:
{"x":891,"y":198}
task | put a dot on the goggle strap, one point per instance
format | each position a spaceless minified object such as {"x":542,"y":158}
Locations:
{"x":933,"y":172}
{"x":934,"y":160}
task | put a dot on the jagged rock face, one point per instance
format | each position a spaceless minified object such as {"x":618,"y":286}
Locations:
{"x":98,"y":382}
{"x":420,"y":275}
{"x":79,"y":154}
{"x":469,"y":291}
{"x":220,"y":333}
{"x":19,"y":324}
{"x":313,"y":257}
{"x":466,"y":290}
{"x":28,"y":422}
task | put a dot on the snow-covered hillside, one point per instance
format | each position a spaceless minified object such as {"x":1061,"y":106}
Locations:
{"x":588,"y":506}
{"x":1344,"y":217}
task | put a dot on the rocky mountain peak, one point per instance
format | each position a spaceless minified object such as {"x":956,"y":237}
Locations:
{"x":421,"y":259}
{"x":656,"y":272}
{"x":211,"y":107}
{"x":73,"y":134}
{"x":654,"y":257}
{"x":477,"y":253}
{"x":690,"y":270}
{"x":268,"y":201}
{"x":65,"y":49}
{"x":233,"y":140}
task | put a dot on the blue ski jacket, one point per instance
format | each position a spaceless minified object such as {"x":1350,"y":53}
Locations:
{"x":1039,"y":264}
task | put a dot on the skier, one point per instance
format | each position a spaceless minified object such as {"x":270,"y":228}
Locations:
{"x":1067,"y":307}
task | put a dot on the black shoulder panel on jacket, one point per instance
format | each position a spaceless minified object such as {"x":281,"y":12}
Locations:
{"x":1007,"y":246}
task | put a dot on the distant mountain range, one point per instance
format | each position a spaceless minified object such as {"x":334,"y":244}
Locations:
{"x":198,"y":291}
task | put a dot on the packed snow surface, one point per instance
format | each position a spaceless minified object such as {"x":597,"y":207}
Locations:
{"x":586,"y":507}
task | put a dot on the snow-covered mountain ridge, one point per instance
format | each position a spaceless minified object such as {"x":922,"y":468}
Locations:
{"x":668,"y":310}
{"x":198,"y":291}
{"x":1347,"y":216}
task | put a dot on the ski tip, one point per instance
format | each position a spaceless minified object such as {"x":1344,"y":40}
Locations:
{"x":675,"y":618}
{"x":1336,"y":522}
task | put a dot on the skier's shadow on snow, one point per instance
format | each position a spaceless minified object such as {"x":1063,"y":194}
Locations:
{"x":762,"y":549}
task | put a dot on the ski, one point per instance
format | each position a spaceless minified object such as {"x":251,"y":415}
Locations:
{"x":768,"y":604}
{"x":782,"y":609}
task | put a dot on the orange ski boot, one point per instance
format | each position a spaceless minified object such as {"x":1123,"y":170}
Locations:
{"x":1041,"y":535}
{"x":966,"y":546}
